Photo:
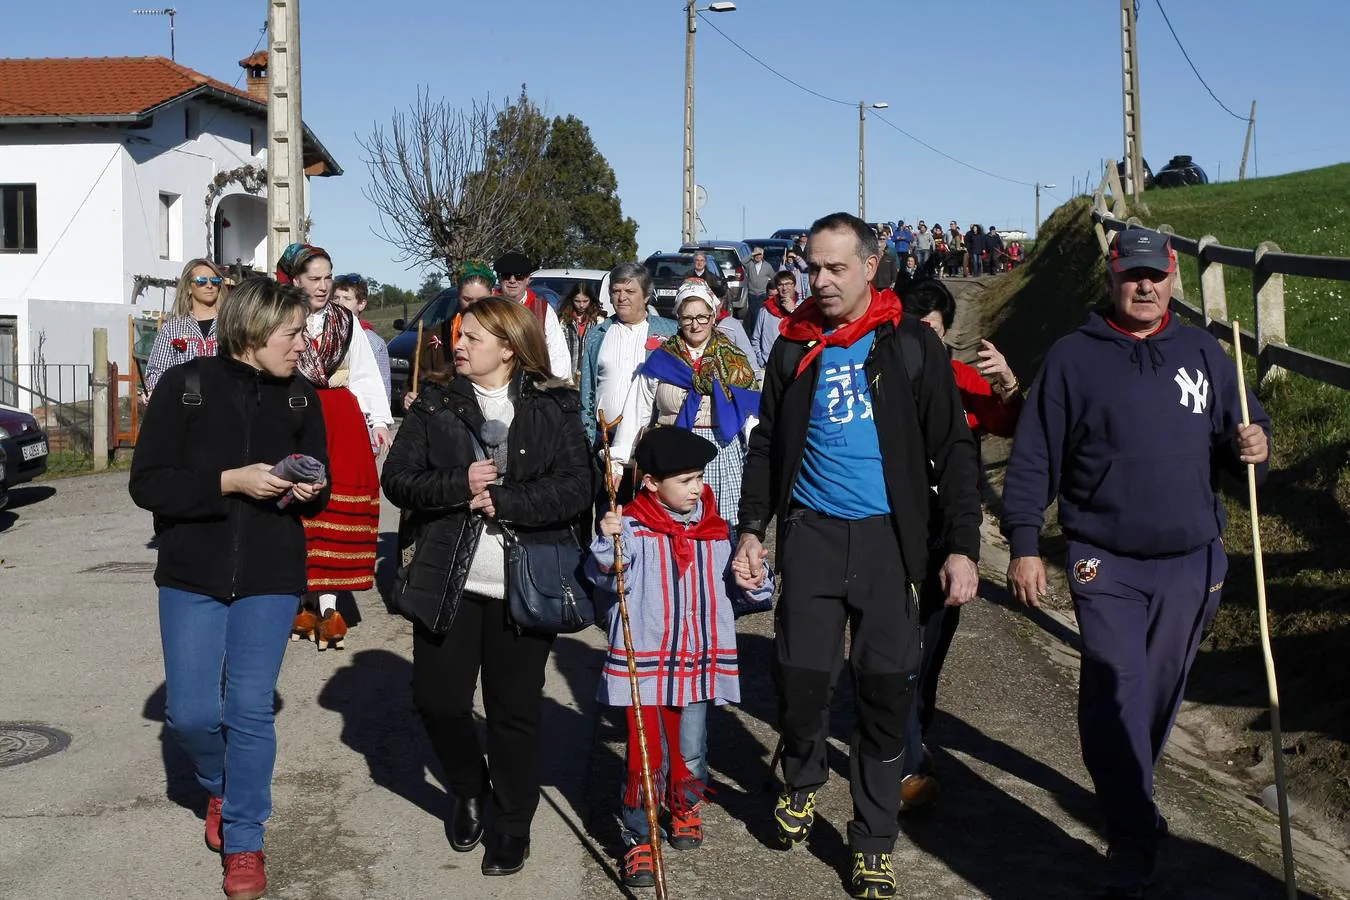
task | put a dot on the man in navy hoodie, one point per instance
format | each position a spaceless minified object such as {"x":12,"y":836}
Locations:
{"x":1129,"y":423}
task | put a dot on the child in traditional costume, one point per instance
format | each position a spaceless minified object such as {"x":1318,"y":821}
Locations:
{"x":341,"y":540}
{"x":677,"y":562}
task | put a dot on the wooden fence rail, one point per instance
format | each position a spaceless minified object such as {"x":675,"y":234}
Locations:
{"x":1268,"y":265}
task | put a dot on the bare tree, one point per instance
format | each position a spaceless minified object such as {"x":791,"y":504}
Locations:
{"x":452,"y":183}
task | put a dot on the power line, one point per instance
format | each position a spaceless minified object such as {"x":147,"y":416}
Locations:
{"x":883,"y":119}
{"x":795,"y":84}
{"x":959,"y":162}
{"x":1192,"y":65}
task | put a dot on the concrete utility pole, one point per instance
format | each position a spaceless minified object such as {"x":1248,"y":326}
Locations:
{"x":688,"y":205}
{"x":863,"y":106}
{"x":1134,"y":130}
{"x":99,"y":400}
{"x":285,"y":139}
{"x":1247,"y":144}
{"x":1038,"y":205}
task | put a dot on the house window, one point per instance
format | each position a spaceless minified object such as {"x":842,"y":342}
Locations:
{"x":18,"y":218}
{"x":170,"y":226}
{"x":192,"y":124}
{"x":257,"y":141}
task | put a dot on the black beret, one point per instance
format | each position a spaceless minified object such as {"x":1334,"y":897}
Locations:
{"x":670,"y":450}
{"x":513,"y":263}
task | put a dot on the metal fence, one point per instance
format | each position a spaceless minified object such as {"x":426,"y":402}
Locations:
{"x":59,"y":396}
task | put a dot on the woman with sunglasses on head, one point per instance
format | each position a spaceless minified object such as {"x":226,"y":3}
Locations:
{"x":190,"y":330}
{"x":340,"y":365}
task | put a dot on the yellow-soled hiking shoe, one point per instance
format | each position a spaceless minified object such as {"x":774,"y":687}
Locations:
{"x":794,"y":814}
{"x":873,"y":876}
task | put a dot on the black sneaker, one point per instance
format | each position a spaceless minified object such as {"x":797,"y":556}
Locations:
{"x":1129,"y":871}
{"x":795,"y":814}
{"x":873,"y":876}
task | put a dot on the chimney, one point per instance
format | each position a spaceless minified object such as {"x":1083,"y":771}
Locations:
{"x":256,"y":66}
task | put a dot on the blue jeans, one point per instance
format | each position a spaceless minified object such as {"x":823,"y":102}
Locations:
{"x":694,"y":749}
{"x":221,"y":662}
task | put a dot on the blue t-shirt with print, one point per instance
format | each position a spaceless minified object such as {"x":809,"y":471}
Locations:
{"x":841,"y":472}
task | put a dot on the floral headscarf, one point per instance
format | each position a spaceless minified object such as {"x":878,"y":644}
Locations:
{"x":295,"y":258}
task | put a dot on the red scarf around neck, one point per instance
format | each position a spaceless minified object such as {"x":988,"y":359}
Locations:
{"x":649,"y":512}
{"x":807,"y":325}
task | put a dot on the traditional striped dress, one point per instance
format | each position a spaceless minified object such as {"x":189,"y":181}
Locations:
{"x":684,"y":635}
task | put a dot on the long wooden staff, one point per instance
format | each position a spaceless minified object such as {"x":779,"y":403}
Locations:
{"x":417,"y":357}
{"x":648,"y":782}
{"x":1281,"y":793}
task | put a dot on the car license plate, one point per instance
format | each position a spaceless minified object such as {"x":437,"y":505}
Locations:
{"x":33,"y":451}
{"x":666,"y":292}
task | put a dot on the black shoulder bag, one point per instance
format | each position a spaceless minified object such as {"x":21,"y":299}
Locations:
{"x":546,"y":589}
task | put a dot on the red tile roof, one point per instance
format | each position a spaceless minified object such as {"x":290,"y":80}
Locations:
{"x":100,"y":86}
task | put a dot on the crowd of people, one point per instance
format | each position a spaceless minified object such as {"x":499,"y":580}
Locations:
{"x":659,"y":452}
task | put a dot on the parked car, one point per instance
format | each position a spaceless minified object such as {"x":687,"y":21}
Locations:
{"x":561,"y":282}
{"x":731,"y":258}
{"x":790,"y":234}
{"x":4,"y":491}
{"x":25,"y":445}
{"x":668,"y":271}
{"x":1179,"y":172}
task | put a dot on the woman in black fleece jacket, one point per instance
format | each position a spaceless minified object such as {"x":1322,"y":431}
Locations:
{"x":231,"y":552}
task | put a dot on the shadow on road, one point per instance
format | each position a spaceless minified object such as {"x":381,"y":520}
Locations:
{"x":28,"y":494}
{"x":180,"y":778}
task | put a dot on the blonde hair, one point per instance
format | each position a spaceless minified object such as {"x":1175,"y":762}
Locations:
{"x":254,"y":311}
{"x":182,"y":300}
{"x":514,"y":325}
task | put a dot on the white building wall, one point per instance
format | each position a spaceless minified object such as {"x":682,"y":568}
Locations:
{"x":98,"y":195}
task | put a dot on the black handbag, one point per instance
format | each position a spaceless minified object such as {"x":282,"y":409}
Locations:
{"x":546,"y":589}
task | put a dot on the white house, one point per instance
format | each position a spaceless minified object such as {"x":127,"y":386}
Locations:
{"x":113,"y":173}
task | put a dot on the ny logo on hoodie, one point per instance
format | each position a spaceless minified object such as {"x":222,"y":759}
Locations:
{"x":1194,"y":392}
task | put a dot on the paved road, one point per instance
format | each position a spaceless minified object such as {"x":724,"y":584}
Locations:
{"x":358,"y":808}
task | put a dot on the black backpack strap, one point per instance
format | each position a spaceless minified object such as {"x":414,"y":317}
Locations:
{"x":912,"y":353}
{"x":296,"y":399}
{"x":192,"y":384}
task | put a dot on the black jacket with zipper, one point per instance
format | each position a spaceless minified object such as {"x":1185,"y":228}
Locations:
{"x":547,"y":487}
{"x":922,"y":432}
{"x":232,"y":545}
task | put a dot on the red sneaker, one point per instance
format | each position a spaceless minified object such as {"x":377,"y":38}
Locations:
{"x":686,"y":828}
{"x":245,"y":875}
{"x":214,"y":836}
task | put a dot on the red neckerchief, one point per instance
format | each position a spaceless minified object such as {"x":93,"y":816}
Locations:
{"x":653,"y":516}
{"x":807,"y":325}
{"x":1167,"y":316}
{"x":723,"y":313}
{"x":367,"y":326}
{"x":775,"y":308}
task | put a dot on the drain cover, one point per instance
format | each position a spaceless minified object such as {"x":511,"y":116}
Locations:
{"x":22,"y":742}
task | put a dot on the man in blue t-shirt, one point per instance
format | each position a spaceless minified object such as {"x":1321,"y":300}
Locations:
{"x":841,"y":457}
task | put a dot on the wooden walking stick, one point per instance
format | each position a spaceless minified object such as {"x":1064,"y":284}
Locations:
{"x":648,"y":782}
{"x":417,"y":356}
{"x":1281,"y":793}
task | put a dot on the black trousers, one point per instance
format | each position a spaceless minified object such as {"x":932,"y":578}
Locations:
{"x":445,"y":675}
{"x":839,"y":573}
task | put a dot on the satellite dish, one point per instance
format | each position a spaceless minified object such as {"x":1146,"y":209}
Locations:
{"x":700,"y":197}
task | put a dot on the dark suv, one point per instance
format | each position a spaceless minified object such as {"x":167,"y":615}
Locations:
{"x":668,"y":271}
{"x":731,"y":258}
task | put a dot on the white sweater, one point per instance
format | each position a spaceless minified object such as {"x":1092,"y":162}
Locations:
{"x":487,"y":571}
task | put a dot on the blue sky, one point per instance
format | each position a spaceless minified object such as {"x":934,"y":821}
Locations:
{"x":1029,"y":91}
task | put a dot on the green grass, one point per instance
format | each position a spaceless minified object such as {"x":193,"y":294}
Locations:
{"x":1305,"y":505}
{"x":1302,"y":212}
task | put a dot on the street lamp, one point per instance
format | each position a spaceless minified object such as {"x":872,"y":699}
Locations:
{"x":687,"y":213}
{"x":166,"y":11}
{"x":863,"y":107}
{"x":1038,"y":204}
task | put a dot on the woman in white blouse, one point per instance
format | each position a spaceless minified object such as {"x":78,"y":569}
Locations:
{"x":341,"y":540}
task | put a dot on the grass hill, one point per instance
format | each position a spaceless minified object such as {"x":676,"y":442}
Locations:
{"x":1305,"y":505}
